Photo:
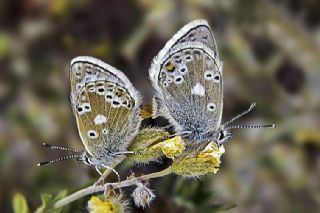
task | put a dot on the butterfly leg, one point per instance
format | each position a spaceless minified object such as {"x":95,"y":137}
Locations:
{"x":100,"y":181}
{"x":98,"y":170}
{"x":112,"y":169}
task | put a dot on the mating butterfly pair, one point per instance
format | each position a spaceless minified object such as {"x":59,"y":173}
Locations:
{"x":187,"y":78}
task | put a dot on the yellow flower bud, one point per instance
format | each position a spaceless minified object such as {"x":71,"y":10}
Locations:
{"x":106,"y":205}
{"x":171,"y":147}
{"x":143,"y":143}
{"x":194,"y":163}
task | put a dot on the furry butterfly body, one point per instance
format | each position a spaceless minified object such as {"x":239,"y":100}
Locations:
{"x":107,"y":111}
{"x":187,"y":78}
{"x":106,"y":106}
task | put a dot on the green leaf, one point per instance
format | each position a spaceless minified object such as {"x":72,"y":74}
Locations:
{"x":48,"y":201}
{"x":19,"y":203}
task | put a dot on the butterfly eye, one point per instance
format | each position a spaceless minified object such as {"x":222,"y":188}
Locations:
{"x":220,"y":136}
{"x":85,"y":160}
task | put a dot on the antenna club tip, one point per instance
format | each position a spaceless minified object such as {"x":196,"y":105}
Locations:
{"x":43,"y":163}
{"x":273,"y":126}
{"x":46,"y":145}
{"x":253,"y":104}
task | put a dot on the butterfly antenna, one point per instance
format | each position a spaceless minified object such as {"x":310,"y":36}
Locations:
{"x":253,"y":104}
{"x":58,"y":160}
{"x":60,"y":148}
{"x":251,"y":126}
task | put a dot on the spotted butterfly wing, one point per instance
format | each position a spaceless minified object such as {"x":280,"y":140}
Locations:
{"x":187,"y":77}
{"x":106,"y":106}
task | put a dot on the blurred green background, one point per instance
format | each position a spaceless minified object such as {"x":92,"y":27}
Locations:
{"x":271,"y":55}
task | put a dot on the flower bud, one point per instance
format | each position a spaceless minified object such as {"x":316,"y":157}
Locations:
{"x":99,"y":204}
{"x":142,"y":196}
{"x":194,"y":163}
{"x":171,"y":147}
{"x":143,"y":143}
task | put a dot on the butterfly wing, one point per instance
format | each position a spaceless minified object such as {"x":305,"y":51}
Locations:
{"x":187,"y":76}
{"x":105,"y":104}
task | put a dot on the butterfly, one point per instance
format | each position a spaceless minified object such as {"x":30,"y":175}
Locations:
{"x":187,"y":78}
{"x":107,"y":111}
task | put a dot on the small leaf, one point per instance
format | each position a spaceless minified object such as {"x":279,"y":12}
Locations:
{"x":19,"y":203}
{"x":48,"y":201}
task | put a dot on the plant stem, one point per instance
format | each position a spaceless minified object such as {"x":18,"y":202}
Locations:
{"x":100,"y":188}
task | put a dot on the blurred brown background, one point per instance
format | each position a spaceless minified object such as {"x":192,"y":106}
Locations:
{"x":271,"y":55}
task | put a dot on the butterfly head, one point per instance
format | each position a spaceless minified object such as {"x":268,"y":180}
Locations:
{"x":223,"y":135}
{"x":85,"y":158}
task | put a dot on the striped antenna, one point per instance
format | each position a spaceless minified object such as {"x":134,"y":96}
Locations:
{"x":58,"y":160}
{"x":253,"y":104}
{"x":60,"y":148}
{"x":251,"y":126}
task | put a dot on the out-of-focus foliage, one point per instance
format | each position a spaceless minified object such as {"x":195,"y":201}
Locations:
{"x":49,"y":200}
{"x":19,"y":204}
{"x":271,"y":54}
